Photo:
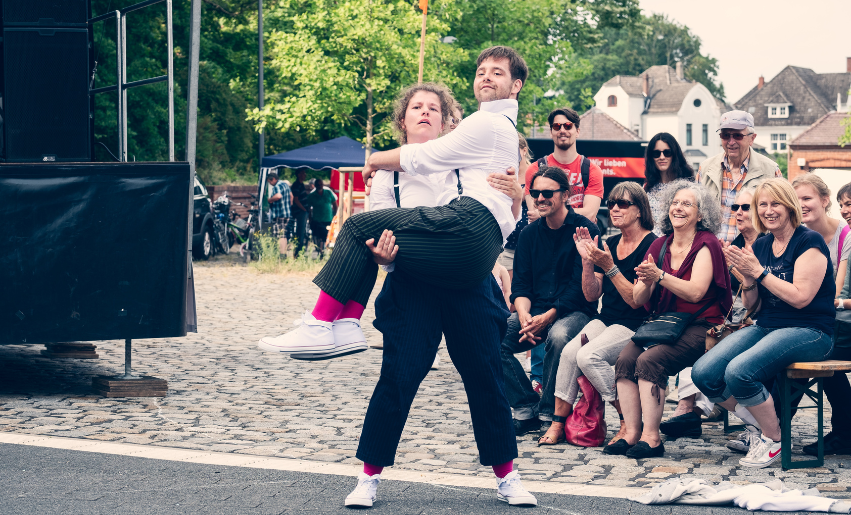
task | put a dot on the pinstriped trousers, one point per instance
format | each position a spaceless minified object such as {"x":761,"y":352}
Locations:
{"x":455,"y":246}
{"x":411,"y":314}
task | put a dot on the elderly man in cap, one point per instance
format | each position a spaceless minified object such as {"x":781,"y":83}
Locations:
{"x":726,"y":173}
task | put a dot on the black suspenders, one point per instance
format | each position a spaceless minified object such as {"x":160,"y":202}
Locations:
{"x":396,"y":186}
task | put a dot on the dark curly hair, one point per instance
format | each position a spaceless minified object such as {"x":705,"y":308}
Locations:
{"x":679,"y":166}
{"x":554,"y":173}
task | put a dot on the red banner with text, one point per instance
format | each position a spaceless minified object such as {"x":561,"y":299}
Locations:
{"x":623,"y":167}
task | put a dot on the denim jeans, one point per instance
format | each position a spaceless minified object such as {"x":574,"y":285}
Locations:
{"x":739,"y":365}
{"x":518,"y":387}
{"x":300,"y":230}
{"x":537,"y":364}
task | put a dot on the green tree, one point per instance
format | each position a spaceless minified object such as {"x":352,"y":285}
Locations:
{"x":343,"y":63}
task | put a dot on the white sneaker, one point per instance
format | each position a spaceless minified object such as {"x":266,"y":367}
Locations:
{"x":527,"y":365}
{"x":436,"y":364}
{"x":510,"y":490}
{"x":311,"y":335}
{"x":763,"y":452}
{"x":364,"y":494}
{"x":348,"y":339}
{"x":744,"y":440}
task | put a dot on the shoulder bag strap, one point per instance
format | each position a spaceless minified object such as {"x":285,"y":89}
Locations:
{"x":396,"y":189}
{"x":585,"y":167}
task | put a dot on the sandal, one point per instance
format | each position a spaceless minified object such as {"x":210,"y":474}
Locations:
{"x":547,"y":439}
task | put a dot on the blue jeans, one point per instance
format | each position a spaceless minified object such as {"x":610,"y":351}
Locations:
{"x":537,"y":362}
{"x":518,"y":387}
{"x":739,"y":365}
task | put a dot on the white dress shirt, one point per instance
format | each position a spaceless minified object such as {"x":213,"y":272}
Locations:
{"x":483,"y":143}
{"x":414,"y":190}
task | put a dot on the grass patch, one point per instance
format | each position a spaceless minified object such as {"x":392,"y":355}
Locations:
{"x":269,"y":260}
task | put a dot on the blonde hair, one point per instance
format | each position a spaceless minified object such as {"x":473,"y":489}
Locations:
{"x":525,"y":153}
{"x":781,"y":191}
{"x":447,"y":101}
{"x":818,"y":184}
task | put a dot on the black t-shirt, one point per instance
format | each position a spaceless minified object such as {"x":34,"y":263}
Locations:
{"x":819,"y":313}
{"x":299,"y":192}
{"x":615,"y":310}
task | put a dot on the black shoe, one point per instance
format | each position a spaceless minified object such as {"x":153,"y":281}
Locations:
{"x":618,"y":448}
{"x":685,"y":425}
{"x":833,"y":444}
{"x":521,"y":427}
{"x":643,"y":450}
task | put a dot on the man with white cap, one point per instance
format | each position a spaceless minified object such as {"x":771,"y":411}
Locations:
{"x":726,"y":173}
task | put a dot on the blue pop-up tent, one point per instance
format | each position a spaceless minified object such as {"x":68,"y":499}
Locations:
{"x":334,"y":154}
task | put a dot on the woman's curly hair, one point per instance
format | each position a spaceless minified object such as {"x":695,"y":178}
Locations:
{"x":708,"y":207}
{"x":404,"y":98}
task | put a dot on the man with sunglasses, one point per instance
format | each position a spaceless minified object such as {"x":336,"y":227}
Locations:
{"x":726,"y":173}
{"x":586,"y":178}
{"x":547,"y":293}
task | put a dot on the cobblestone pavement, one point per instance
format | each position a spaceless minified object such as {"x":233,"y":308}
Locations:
{"x":226,"y":395}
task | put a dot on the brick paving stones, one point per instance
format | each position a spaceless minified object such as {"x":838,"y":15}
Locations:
{"x":226,"y":395}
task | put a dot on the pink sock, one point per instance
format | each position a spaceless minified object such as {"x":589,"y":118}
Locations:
{"x":371,"y":470}
{"x":503,"y":470}
{"x":327,"y":307}
{"x":351,"y":310}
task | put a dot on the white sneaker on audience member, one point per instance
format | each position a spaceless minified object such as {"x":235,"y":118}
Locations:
{"x":763,"y":452}
{"x":436,"y":364}
{"x":348,"y":339}
{"x":364,"y":494}
{"x":311,"y":335}
{"x":743,"y":442}
{"x":509,"y":489}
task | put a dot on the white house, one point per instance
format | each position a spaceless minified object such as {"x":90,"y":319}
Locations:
{"x":662,"y":100}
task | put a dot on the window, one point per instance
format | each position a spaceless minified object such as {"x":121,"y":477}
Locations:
{"x":613,"y":101}
{"x":778,"y":142}
{"x":696,"y":102}
{"x":779,"y":110}
{"x":705,"y":136}
{"x":688,"y":134}
{"x":773,"y":111}
{"x":782,"y":111}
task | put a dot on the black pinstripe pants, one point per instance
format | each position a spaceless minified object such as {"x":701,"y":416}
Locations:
{"x":411,"y":314}
{"x":455,"y":246}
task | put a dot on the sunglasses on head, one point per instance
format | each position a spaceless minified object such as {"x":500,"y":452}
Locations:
{"x":738,"y":136}
{"x":659,"y":153}
{"x":621,"y":203}
{"x":545,"y":193}
{"x":557,"y":126}
{"x":745,"y":207}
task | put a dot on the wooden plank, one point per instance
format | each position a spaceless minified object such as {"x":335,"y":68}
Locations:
{"x":146,"y":386}
{"x":821,"y":365}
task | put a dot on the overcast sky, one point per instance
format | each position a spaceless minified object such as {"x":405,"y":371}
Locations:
{"x":761,"y":37}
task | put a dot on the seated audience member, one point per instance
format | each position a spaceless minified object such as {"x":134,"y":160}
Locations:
{"x":686,"y":419}
{"x":664,"y":163}
{"x":790,"y":275}
{"x":814,"y":196}
{"x":547,"y":294}
{"x":611,"y":273}
{"x":693,"y":278}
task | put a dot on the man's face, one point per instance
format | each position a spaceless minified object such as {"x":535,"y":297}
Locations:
{"x":319,"y":185}
{"x":493,"y":81}
{"x":563,"y":138}
{"x":272,"y":181}
{"x":548,"y":206}
{"x":736,"y":149}
{"x":301,"y":175}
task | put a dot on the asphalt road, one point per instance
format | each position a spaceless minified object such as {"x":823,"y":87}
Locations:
{"x":36,"y":480}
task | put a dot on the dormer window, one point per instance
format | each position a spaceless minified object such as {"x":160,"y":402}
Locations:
{"x":778,"y":110}
{"x":613,"y":101}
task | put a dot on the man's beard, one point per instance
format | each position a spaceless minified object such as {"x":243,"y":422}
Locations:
{"x":493,"y":94}
{"x":564,"y":146}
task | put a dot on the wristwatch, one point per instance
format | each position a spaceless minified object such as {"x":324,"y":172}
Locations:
{"x":841,"y":305}
{"x":762,"y":275}
{"x":662,"y":276}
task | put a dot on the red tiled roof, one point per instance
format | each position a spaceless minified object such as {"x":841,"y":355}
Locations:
{"x":595,"y":125}
{"x":825,"y":132}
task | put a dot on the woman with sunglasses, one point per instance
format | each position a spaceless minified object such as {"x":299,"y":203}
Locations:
{"x":609,"y":272}
{"x":692,"y":278}
{"x":664,"y":163}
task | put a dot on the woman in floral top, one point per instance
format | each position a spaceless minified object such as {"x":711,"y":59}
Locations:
{"x":664,"y":162}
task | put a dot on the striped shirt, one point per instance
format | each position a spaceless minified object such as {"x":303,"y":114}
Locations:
{"x":281,"y":208}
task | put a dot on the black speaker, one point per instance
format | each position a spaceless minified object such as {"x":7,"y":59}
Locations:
{"x":48,"y":13}
{"x":46,"y":94}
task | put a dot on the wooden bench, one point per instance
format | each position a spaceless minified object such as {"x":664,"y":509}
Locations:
{"x":791,"y":390}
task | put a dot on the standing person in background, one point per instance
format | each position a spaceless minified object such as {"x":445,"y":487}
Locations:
{"x":814,"y":196}
{"x":506,"y":259}
{"x":323,"y":205}
{"x":279,"y":210}
{"x":455,"y":119}
{"x":299,"y":211}
{"x":585,"y":196}
{"x":664,"y":162}
{"x":726,"y":173}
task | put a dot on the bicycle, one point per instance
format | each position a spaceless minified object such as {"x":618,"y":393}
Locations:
{"x":238,"y":229}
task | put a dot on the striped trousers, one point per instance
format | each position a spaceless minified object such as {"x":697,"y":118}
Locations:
{"x":454,"y":246}
{"x":411,"y":314}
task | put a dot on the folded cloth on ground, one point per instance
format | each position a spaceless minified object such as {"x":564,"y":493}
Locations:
{"x":771,"y":496}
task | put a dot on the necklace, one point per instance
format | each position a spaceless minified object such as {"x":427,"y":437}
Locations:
{"x":781,"y":250}
{"x":686,"y":247}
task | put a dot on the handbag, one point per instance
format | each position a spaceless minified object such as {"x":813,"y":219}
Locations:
{"x":665,"y":327}
{"x":719,"y":332}
{"x":586,"y":424}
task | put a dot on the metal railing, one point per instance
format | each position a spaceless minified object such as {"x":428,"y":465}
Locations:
{"x":122,"y":85}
